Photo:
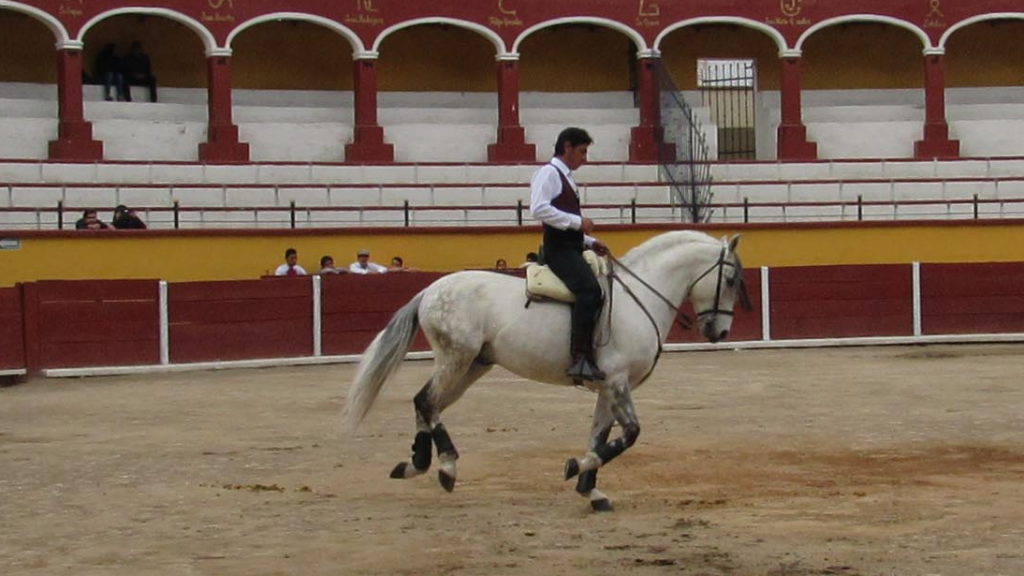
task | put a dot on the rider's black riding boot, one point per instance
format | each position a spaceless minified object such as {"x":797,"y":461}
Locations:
{"x":583,"y":367}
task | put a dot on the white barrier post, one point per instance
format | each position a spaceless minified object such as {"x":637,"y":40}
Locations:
{"x":317,"y":336}
{"x":165,"y":334}
{"x":916,"y":295}
{"x":766,"y":305}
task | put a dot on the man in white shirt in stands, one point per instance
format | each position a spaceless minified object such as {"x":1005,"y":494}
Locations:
{"x":555,"y":201}
{"x":362,"y":265}
{"x":291,"y":265}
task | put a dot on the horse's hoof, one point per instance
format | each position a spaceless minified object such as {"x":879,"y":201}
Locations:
{"x":572,"y":468}
{"x":446,"y":480}
{"x":398,"y":473}
{"x":602,"y":505}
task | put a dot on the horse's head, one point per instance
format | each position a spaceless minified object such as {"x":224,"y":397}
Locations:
{"x":715,"y":290}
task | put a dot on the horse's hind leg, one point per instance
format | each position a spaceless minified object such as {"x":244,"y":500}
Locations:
{"x":419,"y":462}
{"x":447,"y":385}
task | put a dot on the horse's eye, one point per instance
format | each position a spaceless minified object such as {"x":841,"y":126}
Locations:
{"x":730,"y":282}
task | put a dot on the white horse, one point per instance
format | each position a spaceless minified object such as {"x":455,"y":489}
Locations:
{"x":474,"y":320}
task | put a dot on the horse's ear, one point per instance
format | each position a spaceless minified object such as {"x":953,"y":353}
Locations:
{"x":733,"y":242}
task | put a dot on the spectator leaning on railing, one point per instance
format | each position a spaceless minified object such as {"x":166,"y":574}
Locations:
{"x":126,"y":219}
{"x":362,"y":265}
{"x":291,"y":265}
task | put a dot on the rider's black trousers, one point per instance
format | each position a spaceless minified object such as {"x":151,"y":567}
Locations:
{"x":566,"y":261}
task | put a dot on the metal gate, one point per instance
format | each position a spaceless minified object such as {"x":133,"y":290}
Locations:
{"x":727,"y":89}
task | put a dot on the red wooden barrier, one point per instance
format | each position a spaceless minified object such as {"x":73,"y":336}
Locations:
{"x":841,"y":301}
{"x":746,"y":325}
{"x":354,"y":308}
{"x":92,"y":323}
{"x":239,"y":320}
{"x":972,"y":298}
{"x":12,"y":336}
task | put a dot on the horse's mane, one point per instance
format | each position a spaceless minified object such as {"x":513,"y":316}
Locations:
{"x":668,"y":240}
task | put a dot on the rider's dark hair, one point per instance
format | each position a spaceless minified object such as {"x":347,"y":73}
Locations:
{"x":574,"y":136}
{"x":289,"y":252}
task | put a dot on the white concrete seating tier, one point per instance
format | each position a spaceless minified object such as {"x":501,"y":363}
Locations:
{"x":313,"y":126}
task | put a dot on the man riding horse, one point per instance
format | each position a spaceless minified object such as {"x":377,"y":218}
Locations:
{"x":555,"y":201}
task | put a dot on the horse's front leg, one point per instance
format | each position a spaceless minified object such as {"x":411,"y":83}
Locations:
{"x":615,"y":402}
{"x":587,"y":481}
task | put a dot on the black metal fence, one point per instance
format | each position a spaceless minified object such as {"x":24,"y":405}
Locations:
{"x":727,"y":90}
{"x":684,"y":162}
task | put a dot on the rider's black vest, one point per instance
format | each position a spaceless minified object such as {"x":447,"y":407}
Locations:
{"x":567,"y":201}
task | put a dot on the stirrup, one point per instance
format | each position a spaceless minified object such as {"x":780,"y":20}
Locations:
{"x":583,"y":369}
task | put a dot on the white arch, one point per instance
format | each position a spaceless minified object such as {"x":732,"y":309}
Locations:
{"x":774,"y":34}
{"x":975,"y":20}
{"x":60,"y":33}
{"x":352,"y":37}
{"x":209,"y":43}
{"x":641,"y":45}
{"x":499,"y":44}
{"x":925,"y":41}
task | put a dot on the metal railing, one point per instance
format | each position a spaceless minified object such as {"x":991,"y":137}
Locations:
{"x":631,"y":212}
{"x":684,"y":161}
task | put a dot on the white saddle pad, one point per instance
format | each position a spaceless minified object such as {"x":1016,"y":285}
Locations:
{"x":542,"y":283}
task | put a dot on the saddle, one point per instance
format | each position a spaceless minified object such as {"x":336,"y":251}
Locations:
{"x":543,"y":284}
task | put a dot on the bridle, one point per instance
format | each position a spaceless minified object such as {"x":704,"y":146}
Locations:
{"x":681,"y":317}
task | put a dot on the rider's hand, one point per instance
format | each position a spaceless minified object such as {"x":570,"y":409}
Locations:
{"x":599,"y":248}
{"x":586,"y":225}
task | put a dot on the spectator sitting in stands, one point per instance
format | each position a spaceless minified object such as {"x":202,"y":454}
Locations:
{"x":291,"y":265}
{"x":362,"y":265}
{"x":126,"y":219}
{"x":89,"y":221}
{"x":108,"y":72}
{"x":327,"y":266}
{"x":531,"y":258}
{"x":398,"y":265}
{"x":137,"y":72}
{"x":501,"y":265}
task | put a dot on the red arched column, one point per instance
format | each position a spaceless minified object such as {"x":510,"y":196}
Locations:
{"x":936,"y":142}
{"x":74,"y":135}
{"x":222,"y":143}
{"x":511,"y":145}
{"x":646,"y":141}
{"x":792,"y":138}
{"x":368,"y":137}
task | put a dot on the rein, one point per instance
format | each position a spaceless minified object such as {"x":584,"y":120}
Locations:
{"x":684,"y":320}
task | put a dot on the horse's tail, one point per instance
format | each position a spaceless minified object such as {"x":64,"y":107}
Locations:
{"x":381,"y":359}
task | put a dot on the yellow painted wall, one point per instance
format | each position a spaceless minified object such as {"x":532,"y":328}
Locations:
{"x":437,"y":58}
{"x":247,"y":254}
{"x":682,"y":48}
{"x":986,"y":54}
{"x":175,"y":52}
{"x":576,"y":59}
{"x":27,"y":52}
{"x":291,"y":55}
{"x":862,"y":56}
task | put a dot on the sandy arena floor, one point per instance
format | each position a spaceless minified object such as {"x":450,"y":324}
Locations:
{"x":860,"y":461}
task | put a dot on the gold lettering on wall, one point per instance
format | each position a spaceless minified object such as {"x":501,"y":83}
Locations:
{"x":68,"y":8}
{"x":506,"y":16}
{"x":791,"y":8}
{"x":935,"y":18}
{"x":366,"y":11}
{"x":504,"y":10}
{"x":647,"y":14}
{"x":221,"y":11}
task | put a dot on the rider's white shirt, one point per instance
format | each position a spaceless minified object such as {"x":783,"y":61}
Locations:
{"x":545,"y":187}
